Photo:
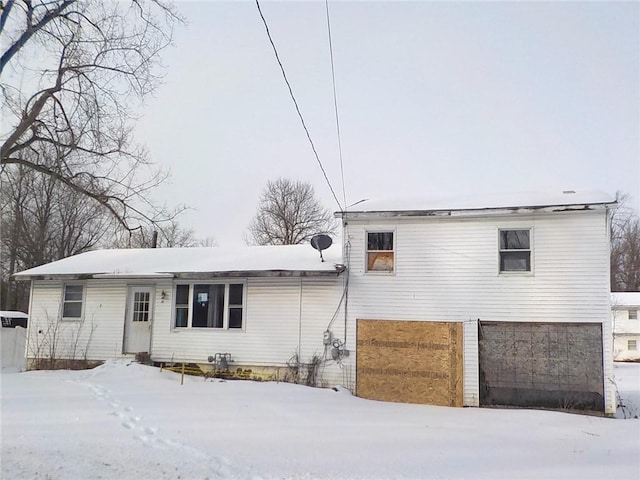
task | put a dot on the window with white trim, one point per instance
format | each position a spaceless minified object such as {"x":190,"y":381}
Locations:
{"x":632,"y":345}
{"x":380,"y":252}
{"x":515,"y":250}
{"x":633,"y":314}
{"x":72,"y":302}
{"x":210,"y":305}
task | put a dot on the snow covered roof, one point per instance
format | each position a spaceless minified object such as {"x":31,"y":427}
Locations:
{"x":289,"y":260}
{"x":13,"y":314}
{"x":625,"y":299}
{"x":524,"y":200}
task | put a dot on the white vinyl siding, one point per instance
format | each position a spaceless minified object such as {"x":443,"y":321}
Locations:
{"x":100,"y":330}
{"x":283,"y":316}
{"x":470,"y":369}
{"x":447,"y":269}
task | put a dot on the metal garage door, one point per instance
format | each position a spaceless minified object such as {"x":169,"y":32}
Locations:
{"x":412,"y":362}
{"x":547,"y":365}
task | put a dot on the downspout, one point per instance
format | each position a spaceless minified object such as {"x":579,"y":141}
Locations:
{"x":607,"y":328}
{"x":346,"y":253}
{"x":300,"y":323}
{"x":346,"y":287}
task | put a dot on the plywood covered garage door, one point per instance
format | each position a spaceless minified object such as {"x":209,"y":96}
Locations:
{"x":412,"y":362}
{"x":552,"y":365}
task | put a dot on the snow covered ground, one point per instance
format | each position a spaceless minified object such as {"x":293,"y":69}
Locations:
{"x":128,"y":421}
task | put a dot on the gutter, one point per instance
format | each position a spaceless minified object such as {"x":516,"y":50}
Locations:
{"x":338,"y":269}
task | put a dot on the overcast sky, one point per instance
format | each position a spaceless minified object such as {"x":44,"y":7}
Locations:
{"x":434,"y":99}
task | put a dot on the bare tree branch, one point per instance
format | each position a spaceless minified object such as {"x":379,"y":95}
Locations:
{"x":30,"y":28}
{"x":625,"y":247}
{"x":289,"y":214}
{"x":95,"y":62}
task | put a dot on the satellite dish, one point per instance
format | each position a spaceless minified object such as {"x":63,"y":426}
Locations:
{"x":321,"y":242}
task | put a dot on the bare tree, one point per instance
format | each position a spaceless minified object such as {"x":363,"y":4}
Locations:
{"x":169,"y":235}
{"x":42,"y":220}
{"x":625,"y":247}
{"x":289,"y":213}
{"x":72,"y":74}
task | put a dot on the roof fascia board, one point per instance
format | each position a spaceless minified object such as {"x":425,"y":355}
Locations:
{"x":260,"y":273}
{"x":188,"y":275}
{"x":476,"y":212}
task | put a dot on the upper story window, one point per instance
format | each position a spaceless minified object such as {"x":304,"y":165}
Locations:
{"x":380,"y":252}
{"x":72,"y":301}
{"x":211,"y":305}
{"x":633,"y":314}
{"x":515,"y":250}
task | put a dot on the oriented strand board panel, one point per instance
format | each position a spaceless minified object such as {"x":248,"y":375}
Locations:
{"x":410,"y":362}
{"x":552,"y":365}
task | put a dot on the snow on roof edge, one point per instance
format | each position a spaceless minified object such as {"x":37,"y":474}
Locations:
{"x":202,"y":260}
{"x":625,"y":299}
{"x":13,"y":314}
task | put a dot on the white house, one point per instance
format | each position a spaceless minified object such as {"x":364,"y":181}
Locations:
{"x":626,"y":325}
{"x":252,"y":307}
{"x":499,"y":300}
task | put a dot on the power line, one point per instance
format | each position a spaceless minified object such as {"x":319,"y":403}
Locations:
{"x":347,"y":251}
{"x":335,"y":104}
{"x":304,"y":125}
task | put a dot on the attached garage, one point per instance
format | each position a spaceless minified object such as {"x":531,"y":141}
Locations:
{"x":548,"y":365}
{"x":410,"y":361}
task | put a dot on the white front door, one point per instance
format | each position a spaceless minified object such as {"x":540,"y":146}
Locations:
{"x":137,"y":327}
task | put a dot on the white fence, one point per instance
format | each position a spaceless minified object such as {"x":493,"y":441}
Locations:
{"x":13,"y":349}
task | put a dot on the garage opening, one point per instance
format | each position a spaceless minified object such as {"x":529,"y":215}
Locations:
{"x":410,"y":362}
{"x":541,"y":365}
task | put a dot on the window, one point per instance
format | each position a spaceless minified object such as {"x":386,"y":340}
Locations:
{"x":632,"y":345}
{"x":182,"y":305}
{"x":141,"y":302}
{"x":380,"y":254}
{"x":235,"y":305}
{"x":633,"y":314}
{"x":515,"y":250}
{"x":211,"y":305}
{"x":208,"y":306}
{"x":72,"y":302}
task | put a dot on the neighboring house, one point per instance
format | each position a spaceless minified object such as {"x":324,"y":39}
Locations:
{"x":12,"y":318}
{"x":625,"y":307}
{"x":252,"y":308}
{"x":501,"y":300}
